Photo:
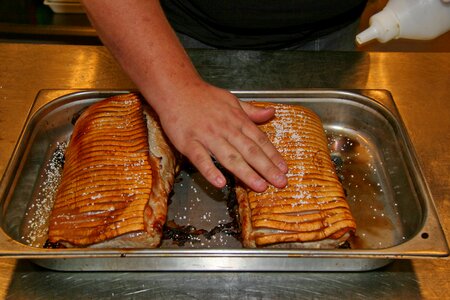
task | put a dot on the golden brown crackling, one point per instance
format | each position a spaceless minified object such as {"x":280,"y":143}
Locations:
{"x":110,"y":184}
{"x":298,"y":218}
{"x":323,"y":233}
{"x":290,"y":209}
{"x":113,"y":161}
{"x":305,"y":226}
{"x":313,"y":206}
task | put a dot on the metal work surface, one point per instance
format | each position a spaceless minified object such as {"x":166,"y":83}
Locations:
{"x":419,"y":84}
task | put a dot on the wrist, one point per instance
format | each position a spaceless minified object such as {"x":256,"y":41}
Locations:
{"x":168,"y":92}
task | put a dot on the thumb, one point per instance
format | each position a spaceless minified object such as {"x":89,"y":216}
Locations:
{"x":258,"y":114}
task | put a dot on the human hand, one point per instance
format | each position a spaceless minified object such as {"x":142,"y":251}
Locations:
{"x":208,"y":121}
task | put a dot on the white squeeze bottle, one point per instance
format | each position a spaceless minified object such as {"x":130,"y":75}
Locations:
{"x":409,"y":19}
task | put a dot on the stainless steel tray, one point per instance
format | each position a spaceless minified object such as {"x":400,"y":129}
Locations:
{"x":389,"y":198}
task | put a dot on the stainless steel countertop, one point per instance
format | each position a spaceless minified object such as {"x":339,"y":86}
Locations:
{"x":419,"y":83}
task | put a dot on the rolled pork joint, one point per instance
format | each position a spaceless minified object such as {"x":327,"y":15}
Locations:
{"x":312,"y":211}
{"x":118,"y":172}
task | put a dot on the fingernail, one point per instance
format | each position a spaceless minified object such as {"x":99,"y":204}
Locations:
{"x":283,"y":167}
{"x":281,"y":180}
{"x":260,"y":184}
{"x":220,"y":181}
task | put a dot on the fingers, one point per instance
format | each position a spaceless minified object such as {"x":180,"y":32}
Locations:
{"x":258,"y":114}
{"x":247,"y":165}
{"x":204,"y":164}
{"x":248,"y":153}
{"x":233,"y":161}
{"x":251,"y":162}
{"x":228,"y":157}
{"x":241,"y":148}
{"x":259,"y":141}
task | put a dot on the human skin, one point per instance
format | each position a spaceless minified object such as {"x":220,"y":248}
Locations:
{"x":201,"y":120}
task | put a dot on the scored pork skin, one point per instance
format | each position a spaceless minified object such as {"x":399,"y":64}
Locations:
{"x":311,"y":211}
{"x":114,"y":189}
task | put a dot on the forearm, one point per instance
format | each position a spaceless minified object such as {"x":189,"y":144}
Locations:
{"x":141,"y":39}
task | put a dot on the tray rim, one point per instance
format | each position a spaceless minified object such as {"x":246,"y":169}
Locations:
{"x":378,"y":99}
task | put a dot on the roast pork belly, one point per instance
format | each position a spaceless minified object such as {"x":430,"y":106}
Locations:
{"x":118,"y":172}
{"x":312,"y":211}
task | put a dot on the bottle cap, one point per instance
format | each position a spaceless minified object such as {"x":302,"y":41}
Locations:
{"x":367,"y":35}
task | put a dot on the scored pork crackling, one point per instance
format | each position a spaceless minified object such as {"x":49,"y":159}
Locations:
{"x":312,"y":211}
{"x":118,"y":172}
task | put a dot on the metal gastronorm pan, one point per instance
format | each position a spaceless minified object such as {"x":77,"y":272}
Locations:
{"x":389,"y":198}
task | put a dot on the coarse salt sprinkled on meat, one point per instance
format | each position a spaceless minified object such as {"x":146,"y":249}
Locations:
{"x":40,"y":209}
